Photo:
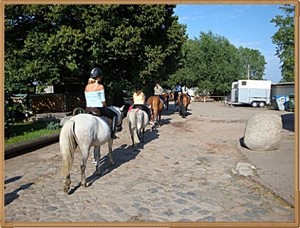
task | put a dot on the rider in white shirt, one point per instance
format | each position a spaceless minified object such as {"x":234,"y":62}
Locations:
{"x":184,"y":90}
{"x":158,"y":90}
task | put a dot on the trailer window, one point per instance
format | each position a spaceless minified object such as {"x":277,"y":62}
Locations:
{"x":244,"y":83}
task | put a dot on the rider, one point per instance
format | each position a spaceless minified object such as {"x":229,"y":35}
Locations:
{"x":158,"y":90}
{"x":139,"y":100}
{"x":184,"y":90}
{"x":95,"y":97}
{"x":177,"y":90}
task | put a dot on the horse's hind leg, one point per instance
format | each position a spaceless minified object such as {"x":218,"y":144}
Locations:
{"x":67,"y":184}
{"x":185,"y":111}
{"x":143,"y":134}
{"x":131,"y":133}
{"x":83,"y":177}
{"x":159,"y":119}
{"x":154,"y":124}
{"x":97,"y":159}
{"x":85,"y":154}
{"x":111,"y":161}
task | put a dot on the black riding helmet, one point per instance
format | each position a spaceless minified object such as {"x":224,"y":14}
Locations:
{"x":138,"y":86}
{"x":96,"y":72}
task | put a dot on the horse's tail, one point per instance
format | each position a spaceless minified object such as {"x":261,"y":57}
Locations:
{"x":133,"y":126}
{"x":181,"y":98}
{"x":180,"y":104}
{"x":67,"y":144}
{"x":135,"y":130}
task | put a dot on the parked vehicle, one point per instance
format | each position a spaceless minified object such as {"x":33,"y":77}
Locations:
{"x":283,"y":95}
{"x":256,"y":93}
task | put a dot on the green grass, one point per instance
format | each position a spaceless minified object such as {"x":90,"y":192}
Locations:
{"x":21,"y":132}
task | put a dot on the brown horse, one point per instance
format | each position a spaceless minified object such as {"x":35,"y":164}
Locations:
{"x":156,"y":105}
{"x":171,"y":96}
{"x":183,"y":103}
{"x":166,"y":97}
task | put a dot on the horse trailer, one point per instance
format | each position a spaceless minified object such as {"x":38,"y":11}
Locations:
{"x":256,"y":93}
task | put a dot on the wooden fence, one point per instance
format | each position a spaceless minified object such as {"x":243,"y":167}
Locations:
{"x":204,"y":98}
{"x":55,"y":102}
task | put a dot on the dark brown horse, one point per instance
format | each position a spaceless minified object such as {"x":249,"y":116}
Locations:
{"x":156,"y":105}
{"x":183,"y":103}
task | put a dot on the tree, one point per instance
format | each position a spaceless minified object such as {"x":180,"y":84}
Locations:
{"x":253,"y":63}
{"x":284,"y":39}
{"x":57,"y":44}
{"x":211,"y":63}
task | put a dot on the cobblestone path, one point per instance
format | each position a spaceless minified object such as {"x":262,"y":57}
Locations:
{"x":182,"y":173}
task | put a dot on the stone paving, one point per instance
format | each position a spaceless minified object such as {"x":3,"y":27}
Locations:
{"x":182,"y":173}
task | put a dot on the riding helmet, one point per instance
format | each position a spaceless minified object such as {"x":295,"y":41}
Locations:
{"x":96,"y":72}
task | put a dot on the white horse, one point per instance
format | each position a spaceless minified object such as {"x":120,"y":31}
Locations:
{"x":86,"y":131}
{"x":137,"y":121}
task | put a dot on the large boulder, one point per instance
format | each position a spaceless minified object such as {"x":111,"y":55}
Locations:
{"x":263,"y":132}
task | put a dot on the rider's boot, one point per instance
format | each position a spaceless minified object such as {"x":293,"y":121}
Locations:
{"x":113,"y":128}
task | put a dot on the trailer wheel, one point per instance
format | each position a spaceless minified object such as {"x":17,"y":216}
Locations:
{"x":254,"y":104}
{"x":262,"y":104}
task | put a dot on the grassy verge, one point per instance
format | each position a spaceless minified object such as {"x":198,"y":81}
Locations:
{"x":26,"y":131}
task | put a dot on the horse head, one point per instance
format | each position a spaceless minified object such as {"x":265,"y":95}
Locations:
{"x":124,"y":110}
{"x":121,"y":113}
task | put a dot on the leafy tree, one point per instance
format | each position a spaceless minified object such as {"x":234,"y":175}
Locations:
{"x":284,"y":39}
{"x":57,"y":44}
{"x":211,"y":63}
{"x":221,"y":65}
{"x":60,"y":44}
{"x":253,"y":63}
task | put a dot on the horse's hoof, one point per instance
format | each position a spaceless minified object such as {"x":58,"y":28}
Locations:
{"x":66,"y":189}
{"x":84,"y":185}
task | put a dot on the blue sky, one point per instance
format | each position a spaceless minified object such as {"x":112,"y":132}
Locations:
{"x":246,"y":25}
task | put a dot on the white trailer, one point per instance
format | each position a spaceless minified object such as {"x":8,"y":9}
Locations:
{"x":256,"y":93}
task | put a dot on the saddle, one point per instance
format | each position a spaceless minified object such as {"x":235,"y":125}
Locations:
{"x":92,"y":110}
{"x":96,"y":112}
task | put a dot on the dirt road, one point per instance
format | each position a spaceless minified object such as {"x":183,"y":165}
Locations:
{"x":182,"y":173}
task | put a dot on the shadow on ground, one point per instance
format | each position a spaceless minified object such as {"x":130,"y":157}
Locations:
{"x":288,"y":122}
{"x":121,"y":155}
{"x":10,"y":197}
